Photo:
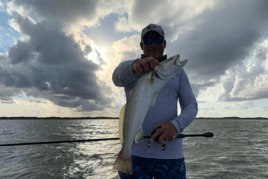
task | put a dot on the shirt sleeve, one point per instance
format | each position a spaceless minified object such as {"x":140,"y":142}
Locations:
{"x":123,"y":74}
{"x":188,"y":105}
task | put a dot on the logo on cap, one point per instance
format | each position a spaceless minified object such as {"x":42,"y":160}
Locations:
{"x":150,"y":26}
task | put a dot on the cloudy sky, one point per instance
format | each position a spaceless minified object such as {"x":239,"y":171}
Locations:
{"x":57,"y":57}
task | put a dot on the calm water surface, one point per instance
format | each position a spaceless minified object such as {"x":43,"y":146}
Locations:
{"x":239,"y":149}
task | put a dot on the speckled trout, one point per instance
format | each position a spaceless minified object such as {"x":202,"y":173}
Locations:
{"x":142,"y":95}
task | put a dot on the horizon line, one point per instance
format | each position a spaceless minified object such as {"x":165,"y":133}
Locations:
{"x":94,"y":117}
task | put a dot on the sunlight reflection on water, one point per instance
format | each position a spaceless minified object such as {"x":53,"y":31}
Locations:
{"x":237,"y":150}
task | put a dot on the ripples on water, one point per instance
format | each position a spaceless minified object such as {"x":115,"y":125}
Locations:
{"x":239,"y":149}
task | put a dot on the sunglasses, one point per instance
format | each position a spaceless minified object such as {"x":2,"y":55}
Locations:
{"x":157,"y":40}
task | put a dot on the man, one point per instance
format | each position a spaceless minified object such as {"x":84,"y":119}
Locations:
{"x":151,"y":161}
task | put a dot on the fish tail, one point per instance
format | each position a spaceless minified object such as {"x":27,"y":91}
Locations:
{"x":123,"y":164}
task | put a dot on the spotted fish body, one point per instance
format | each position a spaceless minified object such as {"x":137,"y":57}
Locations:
{"x":142,"y":95}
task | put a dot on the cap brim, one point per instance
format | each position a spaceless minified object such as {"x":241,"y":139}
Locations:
{"x":151,"y":31}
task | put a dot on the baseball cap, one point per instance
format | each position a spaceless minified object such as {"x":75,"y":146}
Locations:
{"x":152,"y":27}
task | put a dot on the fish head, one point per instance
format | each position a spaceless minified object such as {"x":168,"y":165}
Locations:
{"x":169,"y":67}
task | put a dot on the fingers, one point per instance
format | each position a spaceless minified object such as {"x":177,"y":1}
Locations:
{"x":159,"y":132}
{"x":165,"y":137}
{"x":165,"y":132}
{"x":159,"y":125}
{"x":153,"y":63}
{"x":145,"y":65}
{"x":137,"y":68}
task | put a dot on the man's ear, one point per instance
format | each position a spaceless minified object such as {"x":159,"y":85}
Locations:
{"x":141,"y":44}
{"x":165,"y":43}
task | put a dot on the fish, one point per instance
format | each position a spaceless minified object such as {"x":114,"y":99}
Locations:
{"x":142,"y":95}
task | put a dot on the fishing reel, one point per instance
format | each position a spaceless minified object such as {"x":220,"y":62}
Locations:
{"x":156,"y":139}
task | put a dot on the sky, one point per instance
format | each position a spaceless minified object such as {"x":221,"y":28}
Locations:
{"x":57,"y":57}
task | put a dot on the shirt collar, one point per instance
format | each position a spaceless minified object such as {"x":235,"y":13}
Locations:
{"x":164,"y":57}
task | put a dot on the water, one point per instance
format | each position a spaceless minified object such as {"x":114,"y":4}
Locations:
{"x":239,"y":149}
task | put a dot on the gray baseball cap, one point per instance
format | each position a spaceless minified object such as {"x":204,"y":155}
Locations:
{"x":152,"y":27}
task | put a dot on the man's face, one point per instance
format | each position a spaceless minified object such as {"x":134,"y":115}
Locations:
{"x":153,"y":50}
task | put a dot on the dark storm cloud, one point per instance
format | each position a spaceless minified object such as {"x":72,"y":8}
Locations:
{"x":61,"y":11}
{"x":22,"y":52}
{"x":7,"y":93}
{"x":221,"y":38}
{"x":51,"y":65}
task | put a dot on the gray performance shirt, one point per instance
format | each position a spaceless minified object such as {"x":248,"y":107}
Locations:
{"x":164,"y":110}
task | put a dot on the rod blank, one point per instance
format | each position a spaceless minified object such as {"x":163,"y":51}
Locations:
{"x":209,"y":134}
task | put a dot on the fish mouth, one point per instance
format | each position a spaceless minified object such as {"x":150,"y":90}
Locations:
{"x":177,"y":61}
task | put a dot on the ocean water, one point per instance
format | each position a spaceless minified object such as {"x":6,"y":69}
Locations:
{"x":239,"y":149}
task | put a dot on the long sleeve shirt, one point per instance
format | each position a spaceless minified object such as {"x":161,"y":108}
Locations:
{"x":164,"y":110}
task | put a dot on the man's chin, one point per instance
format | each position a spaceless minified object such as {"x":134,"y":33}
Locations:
{"x":156,"y":56}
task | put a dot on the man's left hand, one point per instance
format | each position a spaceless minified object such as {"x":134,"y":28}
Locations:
{"x":167,"y":132}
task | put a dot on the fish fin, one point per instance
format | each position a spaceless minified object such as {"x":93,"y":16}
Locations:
{"x":139,"y":137}
{"x":130,"y":91}
{"x":121,"y":122}
{"x":154,"y":98}
{"x":123,"y":164}
{"x":150,"y":80}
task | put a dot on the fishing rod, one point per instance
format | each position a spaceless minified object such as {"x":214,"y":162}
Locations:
{"x":208,"y":134}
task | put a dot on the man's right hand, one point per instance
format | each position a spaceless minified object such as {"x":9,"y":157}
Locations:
{"x":144,"y":65}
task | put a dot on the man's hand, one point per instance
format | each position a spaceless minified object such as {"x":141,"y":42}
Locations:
{"x":145,"y":65}
{"x":167,"y":132}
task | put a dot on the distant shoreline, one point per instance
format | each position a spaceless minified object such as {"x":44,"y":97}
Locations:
{"x":85,"y":118}
{"x":235,"y":118}
{"x":59,"y":118}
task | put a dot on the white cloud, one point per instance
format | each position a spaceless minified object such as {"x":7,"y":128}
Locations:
{"x":128,"y":44}
{"x":226,"y":52}
{"x":213,"y":35}
{"x":123,"y":25}
{"x":247,"y":82}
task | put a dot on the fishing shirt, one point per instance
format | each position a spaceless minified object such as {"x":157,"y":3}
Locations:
{"x":164,"y":110}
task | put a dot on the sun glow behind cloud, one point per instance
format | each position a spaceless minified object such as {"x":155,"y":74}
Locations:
{"x":97,"y":55}
{"x":93,"y":56}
